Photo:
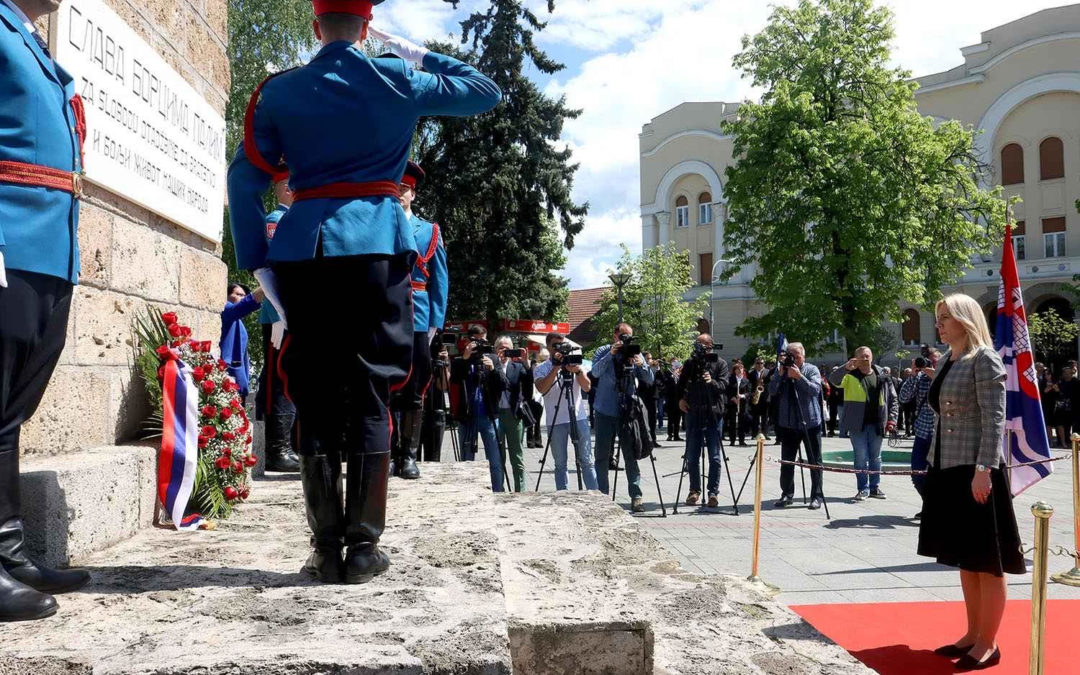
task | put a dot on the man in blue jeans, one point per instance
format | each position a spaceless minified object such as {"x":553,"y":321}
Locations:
{"x":617,"y":380}
{"x":553,"y":378}
{"x":703,"y":397}
{"x":475,"y":370}
{"x":870,"y":409}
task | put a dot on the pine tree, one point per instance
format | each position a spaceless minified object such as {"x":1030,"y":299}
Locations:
{"x":497,"y":184}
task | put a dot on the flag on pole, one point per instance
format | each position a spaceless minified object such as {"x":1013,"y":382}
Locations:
{"x":1025,"y":433}
{"x":781,"y":345}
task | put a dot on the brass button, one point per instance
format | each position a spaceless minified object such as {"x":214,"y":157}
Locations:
{"x":950,"y":431}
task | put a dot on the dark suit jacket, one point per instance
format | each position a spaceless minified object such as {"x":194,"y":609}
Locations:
{"x":491,"y":384}
{"x":515,"y":378}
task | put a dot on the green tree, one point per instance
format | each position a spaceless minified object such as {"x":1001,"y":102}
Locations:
{"x":500,"y":184}
{"x":844,"y":196}
{"x":1051,"y":336}
{"x":654,"y":302}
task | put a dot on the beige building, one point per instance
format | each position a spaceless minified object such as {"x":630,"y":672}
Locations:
{"x":1020,"y":84}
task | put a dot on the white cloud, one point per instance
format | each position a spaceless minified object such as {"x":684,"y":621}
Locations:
{"x":597,"y":248}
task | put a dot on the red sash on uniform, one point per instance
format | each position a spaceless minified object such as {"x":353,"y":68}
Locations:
{"x":422,"y":260}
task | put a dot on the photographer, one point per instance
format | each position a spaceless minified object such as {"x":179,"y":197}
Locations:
{"x":515,"y":384}
{"x":618,"y":368}
{"x":574,"y":375}
{"x":475,"y":370}
{"x":702,"y":392}
{"x":795,"y":390}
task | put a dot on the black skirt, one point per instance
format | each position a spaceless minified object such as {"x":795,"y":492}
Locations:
{"x":961,"y":532}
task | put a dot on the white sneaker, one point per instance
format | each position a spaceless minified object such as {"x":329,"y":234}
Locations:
{"x":862,"y":496}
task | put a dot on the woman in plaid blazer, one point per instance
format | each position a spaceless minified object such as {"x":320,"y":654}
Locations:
{"x":968,"y":520}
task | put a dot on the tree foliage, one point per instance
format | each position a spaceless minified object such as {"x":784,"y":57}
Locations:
{"x":654,"y":303}
{"x":846,"y":199}
{"x":499,"y":184}
{"x":1051,"y":336}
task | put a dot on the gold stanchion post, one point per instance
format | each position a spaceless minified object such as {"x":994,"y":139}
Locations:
{"x":1042,"y":512}
{"x":1072,"y":577}
{"x":759,"y":458}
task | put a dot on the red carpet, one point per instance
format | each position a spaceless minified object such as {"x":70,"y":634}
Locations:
{"x":899,"y":638}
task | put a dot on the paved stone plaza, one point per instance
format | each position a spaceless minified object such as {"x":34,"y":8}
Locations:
{"x":866,"y":553}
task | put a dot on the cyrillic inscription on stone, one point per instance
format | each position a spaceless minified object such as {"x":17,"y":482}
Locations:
{"x":151,"y":137}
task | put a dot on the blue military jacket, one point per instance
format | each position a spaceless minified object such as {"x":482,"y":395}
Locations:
{"x":343,"y":117}
{"x":429,"y":302}
{"x":38,"y":226}
{"x":267,"y":313}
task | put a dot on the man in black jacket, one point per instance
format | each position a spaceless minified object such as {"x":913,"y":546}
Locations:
{"x":738,"y":404}
{"x":514,"y":383}
{"x":474,"y":370}
{"x":702,"y":391}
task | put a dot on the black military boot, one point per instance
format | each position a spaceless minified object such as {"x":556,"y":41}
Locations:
{"x":321,"y":478}
{"x":434,"y":429}
{"x":22,"y":569}
{"x":365,"y":516}
{"x":280,"y":455}
{"x":411,"y":421}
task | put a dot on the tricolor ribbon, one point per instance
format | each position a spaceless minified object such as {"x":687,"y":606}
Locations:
{"x":179,"y":456}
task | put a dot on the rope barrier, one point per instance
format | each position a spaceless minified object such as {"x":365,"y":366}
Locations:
{"x":897,"y":472}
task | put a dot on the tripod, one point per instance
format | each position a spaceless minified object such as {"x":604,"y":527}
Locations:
{"x":442,"y":376}
{"x":565,"y":382}
{"x":806,"y":438}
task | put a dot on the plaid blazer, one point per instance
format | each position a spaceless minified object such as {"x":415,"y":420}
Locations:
{"x":971,"y":422}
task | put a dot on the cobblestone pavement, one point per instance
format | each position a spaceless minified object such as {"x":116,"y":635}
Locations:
{"x":865,"y":553}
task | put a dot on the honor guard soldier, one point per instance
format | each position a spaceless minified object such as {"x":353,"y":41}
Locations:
{"x":429,"y":287}
{"x":273,"y":408}
{"x":344,"y":122}
{"x":42,"y":127}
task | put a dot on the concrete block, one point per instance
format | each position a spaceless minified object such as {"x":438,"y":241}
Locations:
{"x":72,"y":414}
{"x":202,"y":279}
{"x":145,"y":263}
{"x":77,"y":504}
{"x":258,"y":445}
{"x":95,"y":245}
{"x":128,"y":405}
{"x":103,"y":333}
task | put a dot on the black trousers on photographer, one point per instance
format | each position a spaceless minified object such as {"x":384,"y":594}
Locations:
{"x":790,"y":439}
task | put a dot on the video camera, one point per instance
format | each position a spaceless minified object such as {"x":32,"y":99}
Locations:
{"x":630,"y":347}
{"x":481,"y":349}
{"x":565,"y":350}
{"x":704,"y":354}
{"x":442,"y":341}
{"x":787,"y":361}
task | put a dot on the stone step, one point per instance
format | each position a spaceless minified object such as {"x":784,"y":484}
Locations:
{"x":535,"y":584}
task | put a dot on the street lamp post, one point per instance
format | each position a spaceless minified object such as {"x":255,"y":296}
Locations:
{"x":712,"y":292}
{"x":619,"y":279}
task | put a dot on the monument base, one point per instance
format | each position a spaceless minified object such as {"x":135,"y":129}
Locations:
{"x":480,"y":583}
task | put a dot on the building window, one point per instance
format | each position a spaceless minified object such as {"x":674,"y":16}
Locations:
{"x":705,"y":265}
{"x":1012,"y":164}
{"x":682,"y":212}
{"x":704,"y":201}
{"x":1051,"y":159}
{"x":911,"y":330}
{"x":1019,"y":240}
{"x":1054,"y":237}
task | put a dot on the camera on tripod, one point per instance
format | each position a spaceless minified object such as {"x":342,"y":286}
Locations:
{"x":441,"y":342}
{"x":630,"y":347}
{"x":481,"y":348}
{"x":704,"y":354}
{"x":567,"y":357}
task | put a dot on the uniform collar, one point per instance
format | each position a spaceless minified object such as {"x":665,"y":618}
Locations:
{"x":335,"y":46}
{"x":30,"y":27}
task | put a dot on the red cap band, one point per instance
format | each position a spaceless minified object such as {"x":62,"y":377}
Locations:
{"x":358,"y":7}
{"x":409,"y":180}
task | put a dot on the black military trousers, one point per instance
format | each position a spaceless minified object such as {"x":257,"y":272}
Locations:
{"x":790,"y":440}
{"x":349,"y":346}
{"x":34,"y":312}
{"x":277,"y":412}
{"x":411,"y":394}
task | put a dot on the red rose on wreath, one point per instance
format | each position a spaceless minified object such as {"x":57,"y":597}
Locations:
{"x":228,"y":435}
{"x":222,"y":463}
{"x":235,"y":404}
{"x":226,"y":413}
{"x":238,"y":467}
{"x":248,"y":439}
{"x":169,"y":318}
{"x":203,"y":442}
{"x":174,"y":329}
{"x":244,"y":493}
{"x":231,"y":493}
{"x":209,"y":410}
{"x":251,"y":460}
{"x":227,"y":451}
{"x":222,"y":365}
{"x":208,"y":386}
{"x":162,"y":351}
{"x":185,"y":331}
{"x":208,"y":431}
{"x":161,"y":373}
{"x":206,"y":346}
{"x":197,"y":373}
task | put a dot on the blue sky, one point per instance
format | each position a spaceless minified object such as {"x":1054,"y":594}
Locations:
{"x":627,"y":61}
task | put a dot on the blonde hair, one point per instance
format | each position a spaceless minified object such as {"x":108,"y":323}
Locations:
{"x":964,"y":309}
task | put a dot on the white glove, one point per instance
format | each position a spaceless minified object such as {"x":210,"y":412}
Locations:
{"x":430,"y":333}
{"x":3,"y":274}
{"x":410,"y":52}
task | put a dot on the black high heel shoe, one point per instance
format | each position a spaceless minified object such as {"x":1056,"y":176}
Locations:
{"x":967,"y":663}
{"x":952,"y":651}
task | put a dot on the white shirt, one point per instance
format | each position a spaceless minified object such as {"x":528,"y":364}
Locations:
{"x":552,"y":397}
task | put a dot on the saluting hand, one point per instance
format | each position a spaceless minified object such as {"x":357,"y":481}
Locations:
{"x":409,"y":51}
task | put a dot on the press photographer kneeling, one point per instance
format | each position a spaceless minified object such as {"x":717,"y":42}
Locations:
{"x":702,"y":398}
{"x":564,"y":381}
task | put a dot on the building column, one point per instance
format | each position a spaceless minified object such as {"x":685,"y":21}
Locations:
{"x":650,"y":237}
{"x":663,"y":219}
